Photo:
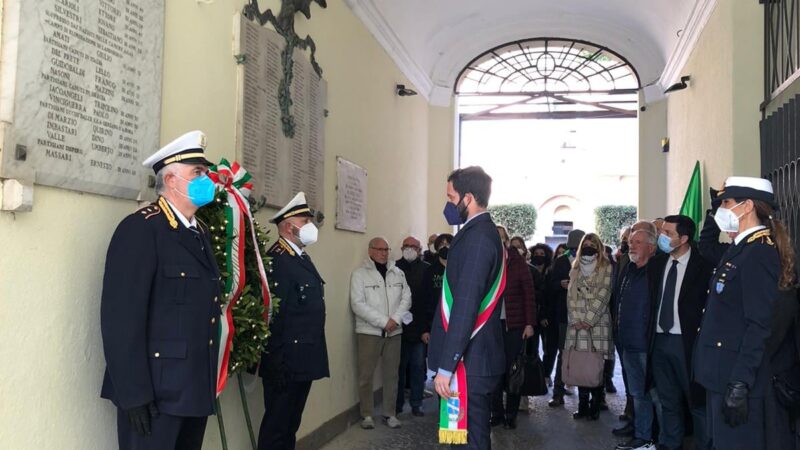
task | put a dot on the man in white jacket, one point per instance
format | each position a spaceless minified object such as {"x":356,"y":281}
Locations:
{"x":380,"y":298}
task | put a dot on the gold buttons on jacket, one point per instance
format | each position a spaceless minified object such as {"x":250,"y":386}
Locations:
{"x":210,"y":342}
{"x":295,"y":341}
{"x":704,"y":310}
{"x":213,"y":320}
{"x":183,"y":274}
{"x":157,"y":355}
{"x":216,"y":299}
{"x":719,"y":344}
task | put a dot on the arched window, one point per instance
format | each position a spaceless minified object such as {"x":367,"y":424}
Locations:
{"x":549,"y":79}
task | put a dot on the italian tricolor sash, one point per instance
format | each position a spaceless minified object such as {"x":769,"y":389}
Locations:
{"x":453,"y":411}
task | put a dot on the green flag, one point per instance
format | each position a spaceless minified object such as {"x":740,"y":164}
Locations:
{"x":692,"y":205}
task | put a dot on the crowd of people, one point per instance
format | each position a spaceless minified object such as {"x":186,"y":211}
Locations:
{"x":706,"y":332}
{"x":642,"y":302}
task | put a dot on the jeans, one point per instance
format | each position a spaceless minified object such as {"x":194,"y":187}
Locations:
{"x":558,"y":383}
{"x":412,"y":365}
{"x":636,"y":367}
{"x":672,"y":384}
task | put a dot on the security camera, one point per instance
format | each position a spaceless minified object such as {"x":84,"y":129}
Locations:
{"x":401,"y":90}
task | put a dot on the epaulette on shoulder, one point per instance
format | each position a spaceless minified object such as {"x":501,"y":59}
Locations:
{"x":149,"y":211}
{"x":763,"y":236}
{"x":280,"y":247}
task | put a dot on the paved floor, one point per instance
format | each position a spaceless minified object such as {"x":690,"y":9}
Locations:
{"x":543,"y":428}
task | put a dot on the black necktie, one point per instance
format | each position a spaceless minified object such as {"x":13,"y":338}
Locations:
{"x":667,"y":318}
{"x":196,"y":234}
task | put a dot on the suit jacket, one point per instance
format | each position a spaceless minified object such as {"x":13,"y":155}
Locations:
{"x":473,"y":263}
{"x":297,"y":341}
{"x":691,"y":305}
{"x":159,"y":315}
{"x":731,"y":344}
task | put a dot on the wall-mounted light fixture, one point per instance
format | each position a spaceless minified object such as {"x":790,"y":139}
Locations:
{"x":402,"y":91}
{"x":679,"y":85}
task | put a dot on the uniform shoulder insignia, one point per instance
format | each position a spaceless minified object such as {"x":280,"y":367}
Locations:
{"x":276,"y":249}
{"x":149,"y":211}
{"x":280,"y":247}
{"x":173,"y":222}
{"x":763,"y":236}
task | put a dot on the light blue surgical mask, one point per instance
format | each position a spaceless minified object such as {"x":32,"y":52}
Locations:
{"x":200,"y":190}
{"x":664,"y":243}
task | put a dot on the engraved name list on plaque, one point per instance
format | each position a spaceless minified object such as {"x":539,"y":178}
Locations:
{"x":280,"y":166}
{"x":81,"y":93}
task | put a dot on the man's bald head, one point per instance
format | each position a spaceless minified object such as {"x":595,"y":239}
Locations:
{"x":411,"y":241}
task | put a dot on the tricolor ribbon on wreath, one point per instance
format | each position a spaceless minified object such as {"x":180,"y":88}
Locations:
{"x":453,"y":411}
{"x":235,"y":182}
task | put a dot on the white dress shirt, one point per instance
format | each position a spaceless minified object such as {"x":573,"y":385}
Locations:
{"x":186,"y":222}
{"x":740,"y":237}
{"x":683,"y":261}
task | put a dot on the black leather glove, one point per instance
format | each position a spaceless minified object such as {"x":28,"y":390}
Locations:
{"x":734,"y":407}
{"x":277,"y":373}
{"x":140,"y":416}
{"x":715,"y":202}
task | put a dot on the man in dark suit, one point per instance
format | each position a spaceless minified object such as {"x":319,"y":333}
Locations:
{"x":296,"y":352}
{"x":475,"y":259}
{"x":678,"y":284}
{"x":160,"y":309}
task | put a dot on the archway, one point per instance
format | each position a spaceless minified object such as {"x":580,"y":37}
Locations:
{"x":555,"y":122}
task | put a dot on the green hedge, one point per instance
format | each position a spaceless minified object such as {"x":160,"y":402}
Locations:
{"x":518,"y":218}
{"x":609,"y":219}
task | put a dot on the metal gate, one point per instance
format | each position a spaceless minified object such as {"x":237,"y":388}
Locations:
{"x":780,"y":153}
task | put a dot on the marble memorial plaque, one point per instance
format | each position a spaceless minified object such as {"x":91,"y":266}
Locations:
{"x":351,"y":196}
{"x":280,"y":166}
{"x":86,"y":93}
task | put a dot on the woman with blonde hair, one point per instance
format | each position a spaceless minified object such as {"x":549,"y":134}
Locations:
{"x":588,"y":297}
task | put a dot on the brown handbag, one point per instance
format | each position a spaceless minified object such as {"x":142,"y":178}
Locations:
{"x":583,"y":368}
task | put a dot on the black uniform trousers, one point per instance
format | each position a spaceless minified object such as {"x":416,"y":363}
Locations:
{"x":479,"y":402}
{"x":283,"y":410}
{"x":749,"y":436}
{"x":166,"y":433}
{"x":512,"y":340}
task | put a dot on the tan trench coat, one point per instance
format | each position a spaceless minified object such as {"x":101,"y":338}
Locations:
{"x":588,"y":301}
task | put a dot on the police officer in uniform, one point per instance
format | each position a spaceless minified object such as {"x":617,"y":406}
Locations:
{"x":729,"y":359}
{"x":160,"y":308}
{"x":296,"y":352}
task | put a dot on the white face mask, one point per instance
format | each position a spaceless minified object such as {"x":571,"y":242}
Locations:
{"x":727,"y":220}
{"x":308,"y":234}
{"x":409,"y":254}
{"x":521,"y":251}
{"x":586,"y":260}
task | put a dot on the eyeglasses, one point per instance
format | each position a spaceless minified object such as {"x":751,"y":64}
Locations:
{"x":382,"y":250}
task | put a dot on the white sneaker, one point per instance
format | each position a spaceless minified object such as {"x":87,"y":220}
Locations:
{"x":367,"y":423}
{"x":393,"y":422}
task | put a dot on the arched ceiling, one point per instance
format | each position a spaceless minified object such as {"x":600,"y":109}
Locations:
{"x":432,"y":41}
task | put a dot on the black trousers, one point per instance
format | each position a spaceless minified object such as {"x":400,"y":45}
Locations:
{"x":512,"y":340}
{"x":166,"y":433}
{"x":479,"y":399}
{"x":283,"y":410}
{"x":549,"y":347}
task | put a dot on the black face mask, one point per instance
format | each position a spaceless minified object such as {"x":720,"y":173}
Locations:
{"x":538,"y":260}
{"x":588,"y":251}
{"x":443,"y":253}
{"x":624,"y":247}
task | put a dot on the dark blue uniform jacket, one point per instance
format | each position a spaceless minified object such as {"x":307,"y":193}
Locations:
{"x":160,"y":315}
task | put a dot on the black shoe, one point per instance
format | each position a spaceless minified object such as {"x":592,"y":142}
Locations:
{"x":495,"y":421}
{"x":610,"y":388}
{"x":636,"y":444}
{"x":623,"y":431}
{"x":580,"y":414}
{"x":511,"y":424}
{"x":603,"y":406}
{"x":417,"y":412}
{"x":624,"y":418}
{"x":556,"y":401}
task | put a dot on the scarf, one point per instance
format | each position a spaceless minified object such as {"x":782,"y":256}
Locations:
{"x":453,"y":411}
